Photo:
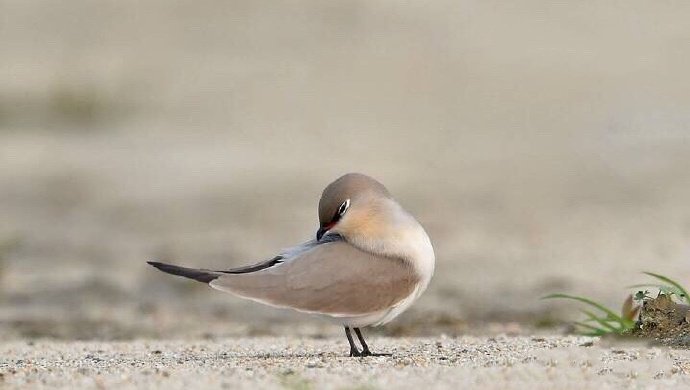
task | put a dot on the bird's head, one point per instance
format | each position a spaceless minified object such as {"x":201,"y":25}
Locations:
{"x":355,"y":205}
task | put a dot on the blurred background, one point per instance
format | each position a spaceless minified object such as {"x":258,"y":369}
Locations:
{"x":544,"y":146}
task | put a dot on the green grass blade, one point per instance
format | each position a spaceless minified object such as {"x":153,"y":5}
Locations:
{"x":673,"y":283}
{"x":590,"y":302}
{"x":593,"y":330}
{"x":590,"y":327}
{"x":662,"y":288}
{"x":601,"y":321}
{"x":594,"y":333}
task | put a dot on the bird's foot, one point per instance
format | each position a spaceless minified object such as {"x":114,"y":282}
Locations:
{"x":354,"y":352}
{"x":366,"y":352}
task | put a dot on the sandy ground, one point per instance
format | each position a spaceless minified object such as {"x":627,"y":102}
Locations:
{"x":304,"y":363}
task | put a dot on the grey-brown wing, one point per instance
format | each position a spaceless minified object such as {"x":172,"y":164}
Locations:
{"x":206,"y":275}
{"x":334,"y":278}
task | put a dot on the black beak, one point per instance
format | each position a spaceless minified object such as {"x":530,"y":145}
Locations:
{"x":320,"y":233}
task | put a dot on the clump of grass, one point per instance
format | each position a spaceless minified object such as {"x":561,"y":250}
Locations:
{"x":670,"y":288}
{"x":601,"y":320}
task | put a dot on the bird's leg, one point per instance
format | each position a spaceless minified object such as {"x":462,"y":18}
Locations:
{"x":365,"y":347}
{"x":353,"y":348}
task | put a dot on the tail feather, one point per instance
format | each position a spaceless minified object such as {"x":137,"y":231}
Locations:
{"x":201,"y":275}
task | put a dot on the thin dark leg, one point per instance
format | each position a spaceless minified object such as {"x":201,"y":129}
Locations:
{"x":353,"y":348}
{"x":365,"y":347}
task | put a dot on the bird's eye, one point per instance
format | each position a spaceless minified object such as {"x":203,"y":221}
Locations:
{"x":343,"y":207}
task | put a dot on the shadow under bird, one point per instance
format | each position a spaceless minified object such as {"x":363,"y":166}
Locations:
{"x":369,"y":262}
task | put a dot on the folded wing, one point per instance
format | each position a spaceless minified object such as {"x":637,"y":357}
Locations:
{"x":334,"y":278}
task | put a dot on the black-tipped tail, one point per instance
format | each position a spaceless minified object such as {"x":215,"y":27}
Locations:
{"x":200,"y":275}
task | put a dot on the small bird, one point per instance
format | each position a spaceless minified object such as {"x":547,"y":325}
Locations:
{"x":369,"y":262}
